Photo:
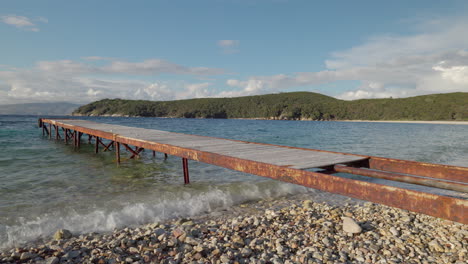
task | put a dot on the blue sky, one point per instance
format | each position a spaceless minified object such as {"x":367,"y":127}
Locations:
{"x":81,"y":51}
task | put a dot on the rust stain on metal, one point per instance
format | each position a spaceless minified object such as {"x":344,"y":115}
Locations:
{"x":420,"y":168}
{"x":431,"y":182}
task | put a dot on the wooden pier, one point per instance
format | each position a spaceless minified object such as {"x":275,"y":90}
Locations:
{"x":288,"y":164}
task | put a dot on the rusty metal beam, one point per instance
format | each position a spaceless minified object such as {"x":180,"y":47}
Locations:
{"x":96,"y":145}
{"x":74,"y":139}
{"x":117,"y":151}
{"x":454,"y":186}
{"x":65,"y":135}
{"x":78,"y":140}
{"x":57,"y":134}
{"x":135,"y":153}
{"x":106,"y":147}
{"x":186,"y":171}
{"x":445,"y":172}
{"x":46,"y":129}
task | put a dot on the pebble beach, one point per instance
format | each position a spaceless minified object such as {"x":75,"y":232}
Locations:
{"x":285,"y":230}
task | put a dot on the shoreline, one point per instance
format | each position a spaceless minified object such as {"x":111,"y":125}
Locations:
{"x":436,"y":122}
{"x":408,"y":122}
{"x":289,"y":230}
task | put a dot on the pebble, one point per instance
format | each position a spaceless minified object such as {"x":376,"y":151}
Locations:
{"x":27,"y":256}
{"x":52,"y":260}
{"x":350,"y":226}
{"x":394,"y":231}
{"x":285,"y":231}
{"x":62,"y":234}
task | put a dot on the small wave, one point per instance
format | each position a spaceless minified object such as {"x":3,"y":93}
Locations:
{"x":187,"y":204}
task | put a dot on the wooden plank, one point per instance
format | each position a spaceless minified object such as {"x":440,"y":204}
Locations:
{"x":320,"y":163}
{"x":277,"y":155}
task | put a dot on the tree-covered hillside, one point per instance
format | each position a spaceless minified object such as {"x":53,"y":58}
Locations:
{"x":291,"y":106}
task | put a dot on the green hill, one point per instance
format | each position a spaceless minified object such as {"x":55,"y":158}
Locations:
{"x":290,"y":106}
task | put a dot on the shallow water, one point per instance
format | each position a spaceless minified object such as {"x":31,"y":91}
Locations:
{"x":46,"y":185}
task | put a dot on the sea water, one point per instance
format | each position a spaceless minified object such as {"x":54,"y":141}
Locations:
{"x":46,"y":185}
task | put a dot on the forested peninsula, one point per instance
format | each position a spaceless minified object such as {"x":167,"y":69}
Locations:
{"x":290,"y":106}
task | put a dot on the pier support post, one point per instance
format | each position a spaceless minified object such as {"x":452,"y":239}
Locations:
{"x":78,"y":139}
{"x":41,"y":125}
{"x":186,"y":171}
{"x":65,"y":138}
{"x":96,"y":145}
{"x":154,"y":153}
{"x":117,"y":152}
{"x":89,"y":139}
{"x":74,"y":139}
{"x":56,"y":132}
{"x":50,"y":130}
{"x":165,"y":156}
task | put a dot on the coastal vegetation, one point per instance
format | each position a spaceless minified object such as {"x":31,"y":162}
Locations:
{"x":290,"y":106}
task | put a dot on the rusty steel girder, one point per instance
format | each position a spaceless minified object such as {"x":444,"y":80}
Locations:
{"x":431,"y":182}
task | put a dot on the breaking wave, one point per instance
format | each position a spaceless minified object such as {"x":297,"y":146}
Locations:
{"x":186,"y":203}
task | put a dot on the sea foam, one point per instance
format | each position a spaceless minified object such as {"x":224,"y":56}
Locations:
{"x":158,"y":208}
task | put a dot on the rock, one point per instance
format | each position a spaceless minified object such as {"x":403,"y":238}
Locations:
{"x":394,"y":231}
{"x":71,"y":254}
{"x":192,"y":241}
{"x":224,"y":258}
{"x":27,"y":255}
{"x":197,"y":256}
{"x":153,"y":225}
{"x":434,"y":245}
{"x":62,"y":234}
{"x":133,"y":250}
{"x":350,"y":226}
{"x":187,"y":223}
{"x":198,"y":248}
{"x":215,"y":252}
{"x":246,"y":252}
{"x":307,"y":204}
{"x":15,"y":255}
{"x":237,"y":239}
{"x":277,"y":261}
{"x":280,"y":250}
{"x":159,"y":231}
{"x":178,"y":232}
{"x":52,"y":260}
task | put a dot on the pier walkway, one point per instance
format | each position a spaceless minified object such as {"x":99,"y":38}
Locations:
{"x":307,"y":167}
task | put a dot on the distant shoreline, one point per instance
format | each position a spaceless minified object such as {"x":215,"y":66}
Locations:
{"x":440,"y":122}
{"x":410,"y":122}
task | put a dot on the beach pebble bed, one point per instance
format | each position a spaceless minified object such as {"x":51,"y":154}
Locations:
{"x":277,"y":231}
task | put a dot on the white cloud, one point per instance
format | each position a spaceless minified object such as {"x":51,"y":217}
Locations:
{"x":456,"y":74}
{"x":22,"y":22}
{"x":435,"y":60}
{"x":229,"y":45}
{"x":147,"y":67}
{"x":74,"y":81}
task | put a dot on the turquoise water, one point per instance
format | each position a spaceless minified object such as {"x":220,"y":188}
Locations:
{"x":46,"y":185}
